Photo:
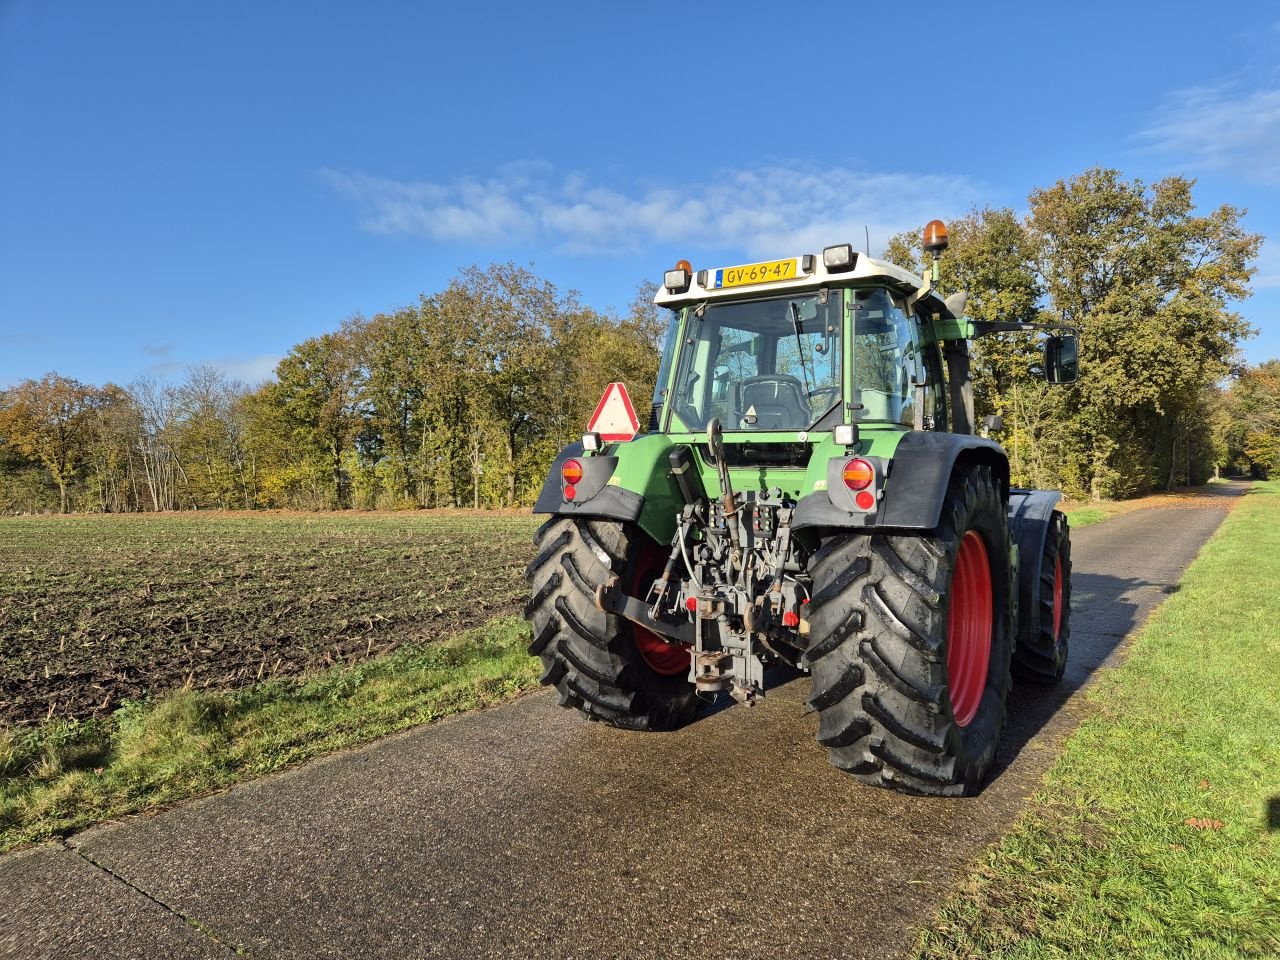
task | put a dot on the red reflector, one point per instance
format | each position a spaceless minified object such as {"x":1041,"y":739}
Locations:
{"x":791,"y":619}
{"x":570,"y":491}
{"x":865,"y":500}
{"x":571,"y":471}
{"x":691,"y":604}
{"x":858,"y":474}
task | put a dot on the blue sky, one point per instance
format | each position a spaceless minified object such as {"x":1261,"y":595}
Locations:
{"x":187,"y":183}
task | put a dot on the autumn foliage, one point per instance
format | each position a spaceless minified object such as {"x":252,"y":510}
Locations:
{"x":458,"y":400}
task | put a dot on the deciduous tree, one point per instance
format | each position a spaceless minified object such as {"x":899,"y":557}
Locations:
{"x":51,"y":420}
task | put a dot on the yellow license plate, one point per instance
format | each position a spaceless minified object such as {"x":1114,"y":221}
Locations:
{"x":754,"y":273}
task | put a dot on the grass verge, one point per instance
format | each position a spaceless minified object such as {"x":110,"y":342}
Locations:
{"x":64,"y":776}
{"x":1088,"y":514}
{"x":1157,"y":832}
{"x":1084,"y":513}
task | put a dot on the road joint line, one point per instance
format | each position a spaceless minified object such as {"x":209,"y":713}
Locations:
{"x":235,"y":950}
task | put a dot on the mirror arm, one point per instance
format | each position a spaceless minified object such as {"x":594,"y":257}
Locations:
{"x":983,"y":327}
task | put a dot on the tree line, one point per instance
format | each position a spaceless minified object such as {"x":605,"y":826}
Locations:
{"x":463,"y":398}
{"x":1149,"y":283}
{"x":459,"y":400}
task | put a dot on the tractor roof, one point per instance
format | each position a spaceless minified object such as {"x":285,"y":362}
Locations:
{"x":794,"y":273}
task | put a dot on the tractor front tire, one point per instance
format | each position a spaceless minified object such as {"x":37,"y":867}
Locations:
{"x":912,"y":640}
{"x":1041,"y":654}
{"x":602,"y":664}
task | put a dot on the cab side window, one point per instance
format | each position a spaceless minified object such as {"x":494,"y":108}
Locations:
{"x":935,"y":385}
{"x":885,"y":359}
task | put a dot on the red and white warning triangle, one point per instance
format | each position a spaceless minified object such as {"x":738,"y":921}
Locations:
{"x":615,"y":417}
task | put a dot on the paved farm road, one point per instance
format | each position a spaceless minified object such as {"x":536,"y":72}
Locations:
{"x":525,"y":832}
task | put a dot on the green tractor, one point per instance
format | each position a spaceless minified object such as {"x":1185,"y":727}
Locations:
{"x":811,"y":492}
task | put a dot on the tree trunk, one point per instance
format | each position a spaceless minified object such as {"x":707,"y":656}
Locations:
{"x":476,"y":456}
{"x":1190,"y":456}
{"x":337,"y":476}
{"x":511,"y":469}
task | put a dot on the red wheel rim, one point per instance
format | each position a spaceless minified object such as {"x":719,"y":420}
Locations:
{"x":969,"y":629}
{"x":665,"y":658}
{"x":1057,"y":597}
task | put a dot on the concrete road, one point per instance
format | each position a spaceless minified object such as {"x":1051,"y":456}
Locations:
{"x":523,"y":831}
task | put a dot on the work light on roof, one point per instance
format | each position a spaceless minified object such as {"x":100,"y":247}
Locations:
{"x":839,"y":258}
{"x":677,"y":279}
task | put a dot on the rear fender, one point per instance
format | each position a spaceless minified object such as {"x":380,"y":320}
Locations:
{"x":634,"y":485}
{"x":916,"y":485}
{"x":1030,"y":512}
{"x":595,"y":497}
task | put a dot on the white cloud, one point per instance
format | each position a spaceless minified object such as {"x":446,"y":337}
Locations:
{"x":1220,"y":127}
{"x":166,"y":367}
{"x":1268,"y":265}
{"x":762,"y":210}
{"x":23,"y":339}
{"x":250,"y":370}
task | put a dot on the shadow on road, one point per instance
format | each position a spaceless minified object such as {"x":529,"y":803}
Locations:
{"x":1156,"y":544}
{"x":1101,"y":616}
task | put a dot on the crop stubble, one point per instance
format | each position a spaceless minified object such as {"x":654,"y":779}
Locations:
{"x":94,"y":610}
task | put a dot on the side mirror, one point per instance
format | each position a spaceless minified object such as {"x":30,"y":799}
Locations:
{"x":1062,"y":359}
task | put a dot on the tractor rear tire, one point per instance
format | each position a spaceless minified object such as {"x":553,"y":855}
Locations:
{"x":593,"y":658}
{"x":1041,"y":654}
{"x":912,"y":639}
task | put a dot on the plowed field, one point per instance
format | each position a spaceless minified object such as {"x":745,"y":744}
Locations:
{"x":94,"y":610}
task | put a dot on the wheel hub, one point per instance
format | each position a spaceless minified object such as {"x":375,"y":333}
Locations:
{"x":969,"y":628}
{"x":1057,"y":596}
{"x":662,"y":657}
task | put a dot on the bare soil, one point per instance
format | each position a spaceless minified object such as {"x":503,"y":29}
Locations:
{"x":95,"y":610}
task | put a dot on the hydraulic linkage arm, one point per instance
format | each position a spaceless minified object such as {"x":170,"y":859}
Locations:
{"x":715,"y":442}
{"x":726,"y":591}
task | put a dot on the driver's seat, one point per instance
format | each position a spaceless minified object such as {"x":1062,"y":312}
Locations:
{"x":778,"y":402}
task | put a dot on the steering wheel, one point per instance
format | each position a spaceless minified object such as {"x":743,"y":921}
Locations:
{"x":829,"y":394}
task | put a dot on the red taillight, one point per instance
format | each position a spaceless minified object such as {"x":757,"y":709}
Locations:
{"x":570,"y":491}
{"x":691,"y":604}
{"x":571,"y":471}
{"x":791,"y":619}
{"x":859,"y":474}
{"x":865,"y":500}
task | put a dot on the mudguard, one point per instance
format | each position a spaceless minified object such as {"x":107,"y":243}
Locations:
{"x":1029,"y":515}
{"x":919,"y":472}
{"x":595,"y":498}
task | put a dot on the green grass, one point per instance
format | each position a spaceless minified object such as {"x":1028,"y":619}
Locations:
{"x":1085,"y":516}
{"x":65,"y":775}
{"x":1151,"y":836}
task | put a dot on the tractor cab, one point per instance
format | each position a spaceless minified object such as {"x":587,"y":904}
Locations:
{"x":797,"y":347}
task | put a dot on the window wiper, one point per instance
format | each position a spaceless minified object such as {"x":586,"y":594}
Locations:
{"x":804,"y":367}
